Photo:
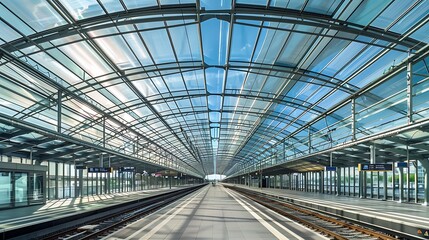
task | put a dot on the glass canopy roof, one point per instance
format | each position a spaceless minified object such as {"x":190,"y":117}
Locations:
{"x":200,"y":84}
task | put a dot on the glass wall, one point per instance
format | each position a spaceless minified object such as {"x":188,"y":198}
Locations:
{"x":21,"y":188}
{"x":5,"y":189}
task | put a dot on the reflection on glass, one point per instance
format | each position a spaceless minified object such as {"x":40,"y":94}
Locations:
{"x":36,"y":188}
{"x":21,"y":189}
{"x":5,"y":189}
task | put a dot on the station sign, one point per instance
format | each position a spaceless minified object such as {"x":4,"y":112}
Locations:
{"x":330,"y":169}
{"x":127,"y":169}
{"x":100,"y":170}
{"x":378,"y":167}
{"x":402,"y":164}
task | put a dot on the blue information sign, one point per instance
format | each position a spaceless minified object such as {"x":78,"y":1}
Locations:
{"x":127,"y":169}
{"x":327,"y":168}
{"x":402,"y":164}
{"x":375,"y":167}
{"x":100,"y":170}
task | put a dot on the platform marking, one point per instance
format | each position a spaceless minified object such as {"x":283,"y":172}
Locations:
{"x":288,"y":219}
{"x":188,"y":200}
{"x":159,"y":226}
{"x":268,"y":217}
{"x":425,"y":219}
{"x":264,"y":223}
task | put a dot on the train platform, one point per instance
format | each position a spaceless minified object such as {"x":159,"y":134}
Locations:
{"x":412,"y":219}
{"x":215,"y":212}
{"x":20,"y":218}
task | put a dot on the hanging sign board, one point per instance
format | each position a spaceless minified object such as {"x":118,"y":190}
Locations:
{"x":330,"y":169}
{"x":402,"y":164}
{"x":100,"y":170}
{"x":127,"y":169}
{"x":378,"y":167}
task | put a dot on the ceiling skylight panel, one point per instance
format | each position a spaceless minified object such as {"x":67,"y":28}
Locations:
{"x":122,"y":92}
{"x":358,"y":61}
{"x":326,"y":7}
{"x":378,"y":68}
{"x":254,"y":82}
{"x":261,"y":105}
{"x":214,"y":102}
{"x":146,"y":87}
{"x":216,"y":5}
{"x":317,"y":95}
{"x":143,"y":111}
{"x":96,"y":96}
{"x":235,"y":79}
{"x":215,"y":79}
{"x":329,"y":52}
{"x":139,"y":50}
{"x":418,"y":13}
{"x":82,"y":9}
{"x":186,"y":43}
{"x":289,"y":4}
{"x":112,"y":5}
{"x":367,"y":11}
{"x":168,"y":2}
{"x":199,"y":102}
{"x":36,"y":13}
{"x":194,"y":79}
{"x":17,"y":95}
{"x":253,"y":2}
{"x":159,"y":46}
{"x":175,"y":82}
{"x":118,"y":52}
{"x":26,"y":78}
{"x":214,"y":34}
{"x":333,"y":99}
{"x":139,"y":3}
{"x":243,"y":42}
{"x":346,"y":55}
{"x":69,"y":64}
{"x":272,"y":42}
{"x":273,"y":85}
{"x":422,"y":34}
{"x":54,"y":66}
{"x":297,"y":46}
{"x":18,"y":24}
{"x":391,"y":13}
{"x":87,"y":58}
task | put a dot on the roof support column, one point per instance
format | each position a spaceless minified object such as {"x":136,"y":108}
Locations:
{"x":408,"y":176}
{"x":409,"y":91}
{"x":59,"y":110}
{"x":425,"y":164}
{"x":401,"y":181}
{"x":339,"y":181}
{"x":416,"y":182}
{"x":353,"y":115}
{"x":384,"y":186}
{"x":372,"y":160}
{"x":309,"y":139}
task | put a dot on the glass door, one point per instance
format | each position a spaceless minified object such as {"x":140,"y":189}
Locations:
{"x":36,"y":193}
{"x":21,"y":189}
{"x":5,"y":189}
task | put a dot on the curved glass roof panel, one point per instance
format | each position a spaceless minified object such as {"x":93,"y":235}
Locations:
{"x":192,"y":81}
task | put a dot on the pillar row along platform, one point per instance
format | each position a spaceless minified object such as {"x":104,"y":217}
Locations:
{"x":328,"y":98}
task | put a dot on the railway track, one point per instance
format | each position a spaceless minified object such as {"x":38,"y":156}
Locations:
{"x":104,"y":226}
{"x":333,"y":227}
